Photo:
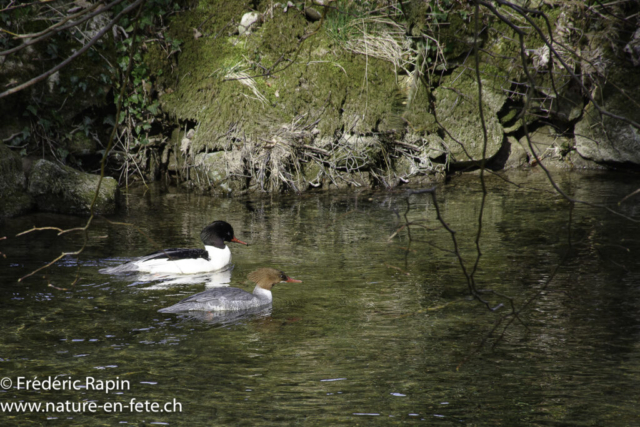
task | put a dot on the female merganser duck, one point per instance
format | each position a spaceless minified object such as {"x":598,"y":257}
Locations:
{"x":234,"y":299}
{"x":215,"y":255}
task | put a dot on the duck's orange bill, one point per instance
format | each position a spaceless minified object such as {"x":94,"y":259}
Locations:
{"x":289,"y":279}
{"x":235,"y":240}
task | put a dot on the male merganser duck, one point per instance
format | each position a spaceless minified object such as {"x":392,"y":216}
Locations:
{"x":215,"y":255}
{"x":234,"y":299}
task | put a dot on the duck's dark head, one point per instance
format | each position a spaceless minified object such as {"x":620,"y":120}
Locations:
{"x":218,"y":232}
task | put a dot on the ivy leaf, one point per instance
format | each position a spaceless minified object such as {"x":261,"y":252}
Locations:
{"x":153,"y":108}
{"x":63,"y":153}
{"x":109,"y":120}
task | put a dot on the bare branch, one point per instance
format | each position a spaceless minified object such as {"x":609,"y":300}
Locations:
{"x":84,"y":229}
{"x":56,"y":28}
{"x":75,"y":55}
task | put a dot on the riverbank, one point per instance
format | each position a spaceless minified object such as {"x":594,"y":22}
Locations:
{"x":232,"y":98}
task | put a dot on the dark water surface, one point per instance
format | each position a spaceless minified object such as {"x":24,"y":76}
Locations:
{"x":373,"y":335}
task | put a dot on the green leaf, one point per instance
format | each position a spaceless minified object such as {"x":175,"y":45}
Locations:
{"x":33,"y":110}
{"x":52,"y":50}
{"x":63,"y":153}
{"x":108,"y":120}
{"x":153,"y":108}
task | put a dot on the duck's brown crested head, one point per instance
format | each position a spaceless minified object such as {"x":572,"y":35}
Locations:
{"x":267,"y":277}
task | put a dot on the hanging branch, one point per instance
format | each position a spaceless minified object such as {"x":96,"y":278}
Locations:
{"x":521,"y":34}
{"x":58,"y":27}
{"x":507,"y":319}
{"x":523,"y":57}
{"x":20,"y":6}
{"x":64,"y":63}
{"x":120,"y":98}
{"x":476,"y":54}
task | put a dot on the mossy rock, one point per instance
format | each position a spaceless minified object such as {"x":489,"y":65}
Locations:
{"x":213,"y":170}
{"x":547,"y":143}
{"x":458,"y":112}
{"x":220,"y":172}
{"x":605,"y":139}
{"x":416,"y":113}
{"x":59,"y":188}
{"x":518,"y":154}
{"x":14,"y":199}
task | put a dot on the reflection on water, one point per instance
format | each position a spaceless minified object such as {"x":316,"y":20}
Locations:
{"x":375,"y":331}
{"x":166,"y":280}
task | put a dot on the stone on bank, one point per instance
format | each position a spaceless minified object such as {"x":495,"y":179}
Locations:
{"x":62,"y":189}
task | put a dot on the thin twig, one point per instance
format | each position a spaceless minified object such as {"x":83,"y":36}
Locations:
{"x":104,"y":158}
{"x":82,"y":50}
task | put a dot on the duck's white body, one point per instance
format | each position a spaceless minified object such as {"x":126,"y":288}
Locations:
{"x":172,"y":261}
{"x":217,"y":260}
{"x":214,"y":257}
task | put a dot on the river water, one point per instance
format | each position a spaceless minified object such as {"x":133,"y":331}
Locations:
{"x":381,"y":331}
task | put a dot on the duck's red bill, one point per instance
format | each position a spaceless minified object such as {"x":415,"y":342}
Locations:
{"x":289,"y":279}
{"x":235,"y":240}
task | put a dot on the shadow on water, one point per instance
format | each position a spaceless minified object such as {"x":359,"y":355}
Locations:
{"x":374,"y":333}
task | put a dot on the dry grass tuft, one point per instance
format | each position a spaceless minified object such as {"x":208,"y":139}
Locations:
{"x":383,"y":39}
{"x":238,"y":72}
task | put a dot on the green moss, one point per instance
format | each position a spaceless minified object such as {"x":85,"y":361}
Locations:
{"x":345,"y":91}
{"x":417,"y":114}
{"x":59,"y":188}
{"x":455,"y":37}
